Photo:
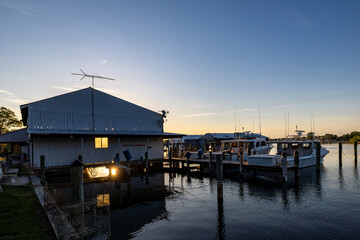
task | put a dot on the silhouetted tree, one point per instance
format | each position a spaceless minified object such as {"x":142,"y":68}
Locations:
{"x":310,"y":136}
{"x":8,"y":120}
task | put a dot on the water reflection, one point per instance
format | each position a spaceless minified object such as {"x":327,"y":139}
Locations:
{"x":285,"y":198}
{"x":341,"y":179}
{"x":220,"y":217}
{"x":182,"y":205}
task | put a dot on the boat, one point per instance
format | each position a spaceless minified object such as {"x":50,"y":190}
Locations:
{"x":306,"y":150}
{"x":251,"y":146}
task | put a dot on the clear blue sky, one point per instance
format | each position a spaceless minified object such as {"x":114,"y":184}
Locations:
{"x":198,"y":59}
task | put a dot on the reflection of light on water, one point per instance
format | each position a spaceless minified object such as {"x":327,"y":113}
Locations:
{"x":98,"y":172}
{"x":103,"y":199}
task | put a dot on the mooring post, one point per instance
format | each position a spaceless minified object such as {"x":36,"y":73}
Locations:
{"x":219,"y":168}
{"x":210,"y":160}
{"x":340,"y":154}
{"x":42,"y":169}
{"x":146,"y":162}
{"x":284,"y":167}
{"x":170,"y":158}
{"x":187,"y":155}
{"x":77,"y":181}
{"x":297,"y":163}
{"x":318,"y":157}
{"x":355,"y":151}
{"x":241,"y":162}
{"x":223,"y":156}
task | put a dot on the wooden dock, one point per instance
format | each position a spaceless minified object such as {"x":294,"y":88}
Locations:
{"x":268,"y":173}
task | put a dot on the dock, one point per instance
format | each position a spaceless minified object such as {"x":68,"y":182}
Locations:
{"x":269,"y":173}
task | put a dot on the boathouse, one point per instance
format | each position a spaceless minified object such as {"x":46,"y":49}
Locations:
{"x":92,"y":124}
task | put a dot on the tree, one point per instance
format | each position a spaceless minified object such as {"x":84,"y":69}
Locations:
{"x":310,"y":136}
{"x":8,"y":120}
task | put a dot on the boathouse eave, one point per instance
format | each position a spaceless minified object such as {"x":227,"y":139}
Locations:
{"x":106,"y":133}
{"x":17,"y":136}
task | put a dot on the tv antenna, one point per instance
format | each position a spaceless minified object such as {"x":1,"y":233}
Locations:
{"x":83,"y":74}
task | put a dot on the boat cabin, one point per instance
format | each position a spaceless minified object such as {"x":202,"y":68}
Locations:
{"x":305,"y":148}
{"x":255,"y":146}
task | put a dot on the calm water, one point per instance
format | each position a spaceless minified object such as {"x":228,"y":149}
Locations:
{"x":324,"y":206}
{"x":180,"y":206}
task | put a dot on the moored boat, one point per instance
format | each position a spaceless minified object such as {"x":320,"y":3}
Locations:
{"x":306,"y":150}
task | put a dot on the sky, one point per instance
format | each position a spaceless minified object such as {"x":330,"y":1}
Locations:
{"x":214,"y":65}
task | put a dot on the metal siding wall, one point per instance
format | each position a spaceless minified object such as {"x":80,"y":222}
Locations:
{"x":62,"y":151}
{"x":57,"y":151}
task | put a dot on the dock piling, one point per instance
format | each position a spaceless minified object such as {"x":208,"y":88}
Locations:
{"x":340,"y":154}
{"x":77,"y":181}
{"x":219,"y":168}
{"x":284,"y":167}
{"x":297,"y":163}
{"x":210,"y":160}
{"x":42,"y":169}
{"x":355,"y":152}
{"x":318,"y":147}
{"x":170,"y":158}
{"x":241,"y":162}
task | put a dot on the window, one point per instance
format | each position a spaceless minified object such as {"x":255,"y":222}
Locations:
{"x":257,"y":144}
{"x":263,"y":143}
{"x":234,"y":145}
{"x":306,"y":145}
{"x":284,"y":146}
{"x":294,"y":146}
{"x":241,"y":144}
{"x":101,"y":142}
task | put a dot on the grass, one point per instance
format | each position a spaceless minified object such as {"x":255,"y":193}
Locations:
{"x":21,"y":215}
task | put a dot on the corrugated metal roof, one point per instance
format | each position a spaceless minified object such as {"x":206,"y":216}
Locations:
{"x":14,"y":136}
{"x":220,"y":135}
{"x":192,"y":137}
{"x":89,"y":110}
{"x":108,"y":133}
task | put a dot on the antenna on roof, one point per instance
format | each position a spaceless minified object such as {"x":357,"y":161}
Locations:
{"x":83,"y":74}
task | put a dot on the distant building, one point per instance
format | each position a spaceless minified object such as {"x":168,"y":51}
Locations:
{"x":92,"y":124}
{"x":213,"y":140}
{"x":191,"y":142}
{"x":14,"y":144}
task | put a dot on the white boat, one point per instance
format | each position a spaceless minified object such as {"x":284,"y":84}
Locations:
{"x":255,"y":145}
{"x":306,"y":150}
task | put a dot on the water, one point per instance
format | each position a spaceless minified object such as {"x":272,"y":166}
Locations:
{"x":164,"y":206}
{"x":324,"y":206}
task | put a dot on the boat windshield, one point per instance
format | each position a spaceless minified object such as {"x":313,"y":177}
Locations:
{"x":304,"y":149}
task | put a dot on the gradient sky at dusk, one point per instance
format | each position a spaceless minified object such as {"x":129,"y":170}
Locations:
{"x":198,"y":59}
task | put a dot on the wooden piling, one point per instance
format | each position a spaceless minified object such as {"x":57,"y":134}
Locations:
{"x":241,"y":162}
{"x":249,"y":151}
{"x":146,"y":161}
{"x":219,"y":168}
{"x":77,"y":181}
{"x":170,"y":157}
{"x":318,"y":157}
{"x":355,"y":151}
{"x":284,"y":167}
{"x":340,"y":154}
{"x":210,"y":160}
{"x":297,"y":163}
{"x":223,"y":156}
{"x":42,"y":169}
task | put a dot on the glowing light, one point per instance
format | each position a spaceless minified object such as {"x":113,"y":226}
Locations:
{"x":113,"y":171}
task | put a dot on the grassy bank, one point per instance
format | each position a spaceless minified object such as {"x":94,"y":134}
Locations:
{"x":21,"y":215}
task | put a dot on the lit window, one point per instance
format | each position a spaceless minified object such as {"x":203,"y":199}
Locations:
{"x":101,"y":142}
